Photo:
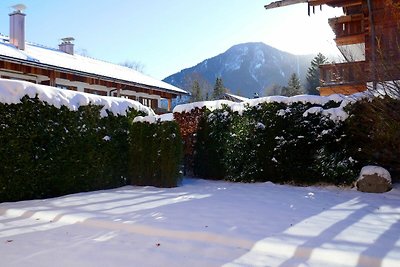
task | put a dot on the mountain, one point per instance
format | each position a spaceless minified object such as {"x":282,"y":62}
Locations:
{"x":246,"y":69}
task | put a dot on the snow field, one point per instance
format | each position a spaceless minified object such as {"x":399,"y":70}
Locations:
{"x":205,"y":223}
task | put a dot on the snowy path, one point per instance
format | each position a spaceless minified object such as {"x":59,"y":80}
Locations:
{"x":204,"y":223}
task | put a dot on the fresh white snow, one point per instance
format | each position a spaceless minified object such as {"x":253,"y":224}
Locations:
{"x":11,"y":92}
{"x":335,"y":114}
{"x":211,"y":105}
{"x":155,"y":118}
{"x":204,"y":223}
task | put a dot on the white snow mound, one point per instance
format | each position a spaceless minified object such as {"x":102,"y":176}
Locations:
{"x":211,"y":105}
{"x":155,"y":118}
{"x":335,"y":114}
{"x":12,"y":91}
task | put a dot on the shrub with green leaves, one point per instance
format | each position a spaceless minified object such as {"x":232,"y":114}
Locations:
{"x":273,"y":141}
{"x":374,"y":130}
{"x":209,"y":147}
{"x":47,"y":151}
{"x":155,"y":154}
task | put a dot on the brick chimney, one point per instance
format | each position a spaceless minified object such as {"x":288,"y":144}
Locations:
{"x":66,"y":45}
{"x":17,"y":27}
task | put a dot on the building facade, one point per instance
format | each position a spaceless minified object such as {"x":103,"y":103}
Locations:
{"x":368,"y":36}
{"x":64,"y":69}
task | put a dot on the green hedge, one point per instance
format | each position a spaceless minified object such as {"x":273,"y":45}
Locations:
{"x":273,"y":142}
{"x":374,"y":130}
{"x":155,"y":154}
{"x":47,"y":151}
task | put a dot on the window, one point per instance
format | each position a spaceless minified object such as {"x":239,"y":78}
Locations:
{"x":95,"y":92}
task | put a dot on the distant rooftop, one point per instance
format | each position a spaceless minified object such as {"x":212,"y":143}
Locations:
{"x":37,"y":54}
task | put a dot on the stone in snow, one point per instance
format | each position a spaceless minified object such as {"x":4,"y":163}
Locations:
{"x":374,"y":179}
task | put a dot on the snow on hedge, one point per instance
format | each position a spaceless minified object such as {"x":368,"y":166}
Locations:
{"x":211,"y":105}
{"x":336,"y":114}
{"x":12,"y":91}
{"x":155,"y":118}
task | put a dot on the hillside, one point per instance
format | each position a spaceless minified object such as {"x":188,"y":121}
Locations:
{"x":246,"y":69}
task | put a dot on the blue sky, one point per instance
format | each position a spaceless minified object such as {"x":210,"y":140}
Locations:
{"x":167,"y":36}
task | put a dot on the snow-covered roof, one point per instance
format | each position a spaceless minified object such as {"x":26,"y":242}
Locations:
{"x":237,"y":97}
{"x":37,"y":54}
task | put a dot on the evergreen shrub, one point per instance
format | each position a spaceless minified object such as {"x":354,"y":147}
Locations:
{"x":188,"y":124}
{"x":155,"y":154}
{"x":374,"y":130}
{"x":212,"y":132}
{"x":273,"y":142}
{"x":47,"y":151}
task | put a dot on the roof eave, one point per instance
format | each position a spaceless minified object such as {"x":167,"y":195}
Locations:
{"x":91,"y":75}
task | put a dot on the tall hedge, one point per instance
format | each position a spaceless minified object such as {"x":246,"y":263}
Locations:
{"x":273,"y":141}
{"x":374,"y":131}
{"x":209,"y":149}
{"x":188,"y":124}
{"x":155,"y":154}
{"x":47,"y":151}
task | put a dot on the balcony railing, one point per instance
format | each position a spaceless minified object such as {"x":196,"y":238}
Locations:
{"x":348,"y":29}
{"x":344,"y":73}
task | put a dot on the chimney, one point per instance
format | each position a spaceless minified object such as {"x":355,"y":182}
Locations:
{"x":17,"y":27}
{"x":66,"y":45}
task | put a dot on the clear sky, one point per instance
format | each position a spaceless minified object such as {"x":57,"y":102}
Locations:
{"x":170,"y":35}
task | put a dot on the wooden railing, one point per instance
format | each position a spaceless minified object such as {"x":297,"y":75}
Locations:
{"x":348,"y":29}
{"x":344,"y":73}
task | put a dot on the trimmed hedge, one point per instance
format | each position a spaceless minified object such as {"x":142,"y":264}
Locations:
{"x":188,"y":124}
{"x":47,"y":151}
{"x":374,"y":130}
{"x":273,"y":142}
{"x":155,"y":154}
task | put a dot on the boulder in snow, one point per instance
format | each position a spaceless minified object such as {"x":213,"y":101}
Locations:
{"x":374,"y":179}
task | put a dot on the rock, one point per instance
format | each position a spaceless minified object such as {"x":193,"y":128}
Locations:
{"x":374,"y":179}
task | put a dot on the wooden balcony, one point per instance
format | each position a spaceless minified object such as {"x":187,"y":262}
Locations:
{"x":343,"y":78}
{"x":348,"y":29}
{"x":335,"y":3}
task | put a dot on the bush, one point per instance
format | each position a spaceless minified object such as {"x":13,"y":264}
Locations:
{"x":155,"y":152}
{"x":273,"y":142}
{"x":374,"y":130}
{"x":188,"y":124}
{"x":48,"y":151}
{"x":209,"y":148}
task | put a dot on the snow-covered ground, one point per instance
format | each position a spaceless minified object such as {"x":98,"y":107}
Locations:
{"x":204,"y":223}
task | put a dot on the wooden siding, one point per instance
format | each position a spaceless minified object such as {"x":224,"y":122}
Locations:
{"x":344,"y":89}
{"x":348,"y":29}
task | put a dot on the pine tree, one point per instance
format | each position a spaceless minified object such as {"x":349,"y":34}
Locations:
{"x":219,"y":89}
{"x":293,"y":87}
{"x":313,"y":74}
{"x":274,"y":89}
{"x":195,"y":92}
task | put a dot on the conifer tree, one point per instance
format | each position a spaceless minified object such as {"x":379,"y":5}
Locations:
{"x":195,"y":91}
{"x":274,"y":89}
{"x":293,"y":87}
{"x":219,"y":89}
{"x":313,"y":74}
